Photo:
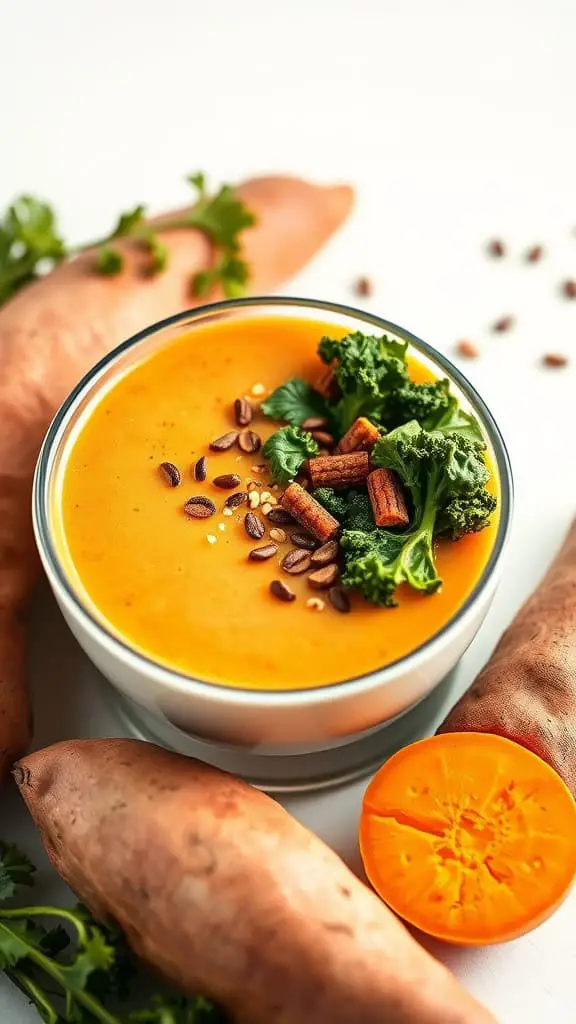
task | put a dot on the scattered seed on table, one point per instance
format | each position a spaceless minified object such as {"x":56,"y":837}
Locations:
{"x":258,"y":389}
{"x":555,"y":360}
{"x":467,"y":349}
{"x":505,"y":323}
{"x":316,"y":604}
{"x":171,"y":473}
{"x":535,"y":254}
{"x":282,"y":591}
{"x":363,"y":287}
{"x":224,"y":442}
{"x":227,"y":481}
{"x":497,"y":248}
{"x":200,"y":471}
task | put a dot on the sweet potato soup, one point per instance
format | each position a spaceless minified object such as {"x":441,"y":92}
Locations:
{"x":182,"y":588}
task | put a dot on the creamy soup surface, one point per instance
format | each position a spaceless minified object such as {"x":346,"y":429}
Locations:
{"x":162,"y":582}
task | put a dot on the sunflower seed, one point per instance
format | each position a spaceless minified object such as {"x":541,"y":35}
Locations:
{"x":326,"y":554}
{"x":339,"y":599}
{"x":199,"y":507}
{"x":323,"y":578}
{"x":280,"y":517}
{"x":249,"y":442}
{"x":200,"y":470}
{"x":281,"y":591}
{"x":304,"y":540}
{"x":171,"y":473}
{"x":264,"y":553}
{"x":314,"y":423}
{"x":296,"y":561}
{"x":221,"y":444}
{"x":242,"y":412}
{"x":235,"y":500}
{"x":324,"y":439}
{"x":227,"y":481}
{"x":254,"y":526}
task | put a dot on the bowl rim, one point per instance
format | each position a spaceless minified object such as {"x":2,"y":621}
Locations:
{"x":221,"y":692}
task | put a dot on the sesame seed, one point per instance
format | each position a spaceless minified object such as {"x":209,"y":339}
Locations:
{"x":222,"y":526}
{"x":227,"y":512}
{"x":316,"y":604}
{"x":211,"y":538}
{"x":258,"y":389}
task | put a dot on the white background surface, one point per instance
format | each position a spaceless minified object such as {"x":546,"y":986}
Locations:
{"x":456,"y":122}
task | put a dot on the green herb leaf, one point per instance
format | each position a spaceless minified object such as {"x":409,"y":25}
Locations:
{"x":96,"y":955}
{"x":109,"y":262}
{"x":75,"y":974}
{"x":286,"y":450}
{"x":198,"y":181}
{"x":15,"y":871}
{"x":295,"y":401}
{"x":30,"y":244}
{"x":128,"y":223}
{"x":221,"y":218}
{"x":13,"y":943}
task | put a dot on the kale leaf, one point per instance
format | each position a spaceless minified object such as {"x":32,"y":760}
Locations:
{"x":286,"y":450}
{"x":295,"y":401}
{"x":366,"y":369}
{"x":445,"y":476}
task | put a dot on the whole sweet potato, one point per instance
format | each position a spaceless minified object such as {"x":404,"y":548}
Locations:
{"x":216,"y":886}
{"x":53,"y":331}
{"x":527,"y":691}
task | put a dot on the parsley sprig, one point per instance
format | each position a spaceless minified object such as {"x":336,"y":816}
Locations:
{"x":31,"y":243}
{"x":75,"y":970}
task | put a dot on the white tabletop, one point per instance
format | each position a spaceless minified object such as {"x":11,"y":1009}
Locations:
{"x":456,"y":123}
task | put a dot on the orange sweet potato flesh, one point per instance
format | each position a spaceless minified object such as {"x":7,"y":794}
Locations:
{"x":52,"y":332}
{"x":215,"y":885}
{"x":527,"y":691}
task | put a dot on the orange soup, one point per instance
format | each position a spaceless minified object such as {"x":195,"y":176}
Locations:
{"x":182,"y":590}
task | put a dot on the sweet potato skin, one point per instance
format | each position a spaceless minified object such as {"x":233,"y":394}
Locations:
{"x":53,"y":331}
{"x":219,"y":888}
{"x":527,"y":691}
